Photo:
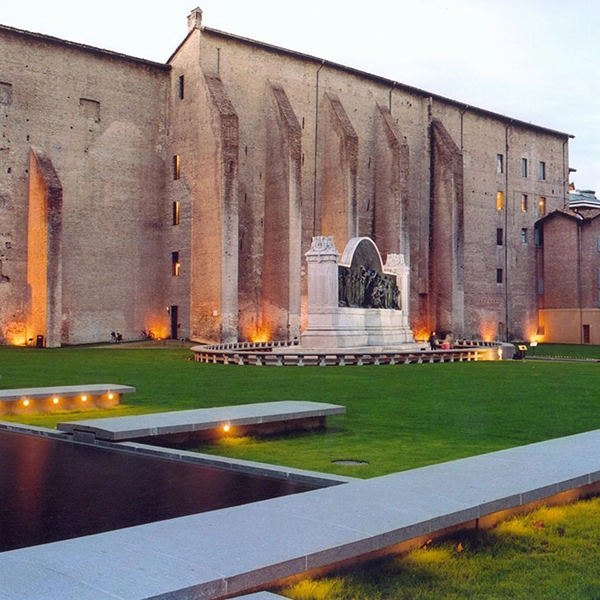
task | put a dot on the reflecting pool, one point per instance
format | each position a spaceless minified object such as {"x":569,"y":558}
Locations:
{"x":54,"y":490}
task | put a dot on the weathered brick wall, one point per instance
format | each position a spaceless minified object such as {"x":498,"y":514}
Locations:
{"x":101,"y":119}
{"x":561,"y":259}
{"x":571,"y":277}
{"x":480,"y":305}
{"x":274,"y":148}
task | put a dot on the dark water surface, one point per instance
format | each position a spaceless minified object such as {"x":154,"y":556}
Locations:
{"x":53,"y":490}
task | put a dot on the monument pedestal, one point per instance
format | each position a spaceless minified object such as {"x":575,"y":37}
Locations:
{"x":355,"y":327}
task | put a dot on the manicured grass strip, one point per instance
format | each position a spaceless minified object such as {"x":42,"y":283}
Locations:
{"x":564,"y":350}
{"x":398,"y":417}
{"x":549,"y":554}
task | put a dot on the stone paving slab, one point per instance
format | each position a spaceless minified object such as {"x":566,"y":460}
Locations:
{"x":231,"y":551}
{"x":201,"y":419}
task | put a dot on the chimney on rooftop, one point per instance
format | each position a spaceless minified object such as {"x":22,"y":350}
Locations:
{"x":195,"y":19}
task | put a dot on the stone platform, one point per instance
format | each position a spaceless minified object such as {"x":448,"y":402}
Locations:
{"x":62,"y":397}
{"x":288,"y":414}
{"x":234,"y":551}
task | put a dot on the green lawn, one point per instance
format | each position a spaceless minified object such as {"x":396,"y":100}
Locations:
{"x":565,"y":350}
{"x":398,"y":417}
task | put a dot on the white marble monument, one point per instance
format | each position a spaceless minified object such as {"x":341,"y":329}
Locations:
{"x":356,"y":301}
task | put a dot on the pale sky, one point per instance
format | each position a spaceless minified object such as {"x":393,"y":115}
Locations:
{"x":534,"y":60}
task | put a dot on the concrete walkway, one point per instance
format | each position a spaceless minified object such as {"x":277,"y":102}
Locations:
{"x":236,"y":550}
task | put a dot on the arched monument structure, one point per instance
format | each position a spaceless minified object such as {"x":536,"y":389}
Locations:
{"x":356,"y":301}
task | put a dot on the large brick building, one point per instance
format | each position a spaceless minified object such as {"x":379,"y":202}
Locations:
{"x":182,"y":197}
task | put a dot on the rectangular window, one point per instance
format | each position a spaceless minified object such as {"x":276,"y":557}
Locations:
{"x":175,"y":213}
{"x":499,"y":275}
{"x":524,"y":202}
{"x":176,"y":167}
{"x":538,"y":236}
{"x":523,"y":167}
{"x":499,"y":237}
{"x":598,"y":243}
{"x":542,"y":206}
{"x":175,"y":264}
{"x":542,"y":171}
{"x":5,"y":93}
{"x":181,"y":87}
{"x":524,"y":235}
{"x":499,"y":200}
{"x":499,"y":163}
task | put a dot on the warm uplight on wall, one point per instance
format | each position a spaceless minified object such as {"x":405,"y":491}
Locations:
{"x":226,"y":428}
{"x":421,"y":335}
{"x":488,"y":332}
{"x":111,"y":396}
{"x":15,"y":333}
{"x":25,"y":402}
{"x":259,"y":334}
{"x":84,"y":398}
{"x":55,"y":400}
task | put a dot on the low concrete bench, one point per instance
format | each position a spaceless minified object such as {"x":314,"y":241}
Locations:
{"x":65,"y":397}
{"x":188,"y":425}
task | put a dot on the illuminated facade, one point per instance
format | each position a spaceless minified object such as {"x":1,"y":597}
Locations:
{"x":182,"y":198}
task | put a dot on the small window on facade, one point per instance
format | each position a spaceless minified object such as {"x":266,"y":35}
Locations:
{"x":176,"y":167}
{"x":499,"y":237}
{"x":5,"y":93}
{"x":499,"y":275}
{"x":542,"y":171}
{"x":523,"y":167}
{"x":524,"y":202}
{"x":524,"y":235}
{"x":542,"y":206}
{"x":175,"y":213}
{"x":538,"y":236}
{"x":499,"y":200}
{"x":598,"y":243}
{"x":181,"y":87}
{"x":175,"y":264}
{"x":499,"y":163}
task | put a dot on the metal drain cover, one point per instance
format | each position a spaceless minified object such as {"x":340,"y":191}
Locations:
{"x":349,"y":463}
